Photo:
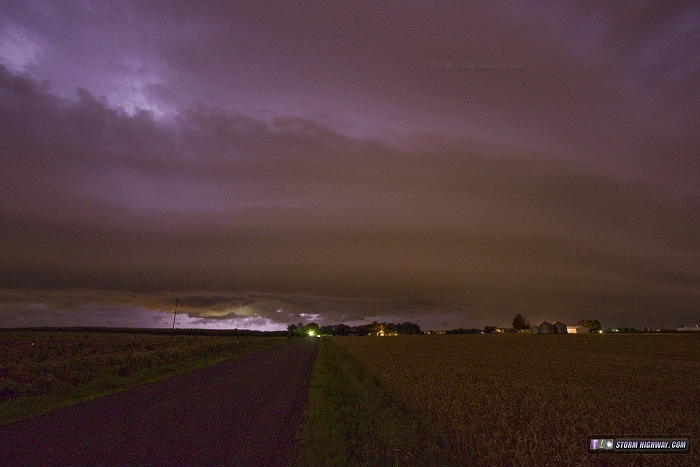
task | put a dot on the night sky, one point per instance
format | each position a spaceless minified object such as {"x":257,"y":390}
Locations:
{"x":270,"y":163}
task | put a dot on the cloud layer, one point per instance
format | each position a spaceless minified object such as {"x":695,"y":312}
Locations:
{"x":221,"y":153}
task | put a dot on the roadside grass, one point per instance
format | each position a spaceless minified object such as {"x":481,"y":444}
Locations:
{"x":41,"y":371}
{"x":352,"y":420}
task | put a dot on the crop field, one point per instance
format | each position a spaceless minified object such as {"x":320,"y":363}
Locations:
{"x":526,"y":399}
{"x":44,"y":370}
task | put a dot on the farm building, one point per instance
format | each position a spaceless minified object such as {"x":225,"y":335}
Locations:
{"x":546,"y":327}
{"x":577,"y":329}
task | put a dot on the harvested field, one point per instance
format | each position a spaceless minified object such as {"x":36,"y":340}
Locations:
{"x":533,"y":400}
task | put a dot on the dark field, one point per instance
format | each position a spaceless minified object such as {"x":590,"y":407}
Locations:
{"x":43,"y":370}
{"x":514,"y":399}
{"x":243,"y":411}
{"x":502,"y":399}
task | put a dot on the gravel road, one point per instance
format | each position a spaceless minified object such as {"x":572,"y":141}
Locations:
{"x":244,"y":411}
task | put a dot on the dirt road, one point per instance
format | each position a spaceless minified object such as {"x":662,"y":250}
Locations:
{"x":245,"y":411}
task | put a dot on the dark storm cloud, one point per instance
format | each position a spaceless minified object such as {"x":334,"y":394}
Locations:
{"x":291,"y":206}
{"x":313,"y":153}
{"x":593,"y":77}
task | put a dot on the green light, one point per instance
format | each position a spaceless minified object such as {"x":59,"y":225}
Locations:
{"x":311,"y":333}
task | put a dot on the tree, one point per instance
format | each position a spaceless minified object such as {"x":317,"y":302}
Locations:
{"x":592,"y":324}
{"x":362,"y":329}
{"x":311,"y":329}
{"x":520,"y":323}
{"x":391,"y":329}
{"x":409,"y":328}
{"x":377,"y":329}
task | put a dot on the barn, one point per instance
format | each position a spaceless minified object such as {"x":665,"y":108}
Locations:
{"x":577,"y":329}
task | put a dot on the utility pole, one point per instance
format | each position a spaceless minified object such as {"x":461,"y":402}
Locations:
{"x":175,"y":315}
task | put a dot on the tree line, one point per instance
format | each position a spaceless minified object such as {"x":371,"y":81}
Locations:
{"x":520,"y":323}
{"x":373,"y":329}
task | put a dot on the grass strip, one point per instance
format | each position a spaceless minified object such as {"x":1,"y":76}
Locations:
{"x":352,"y":420}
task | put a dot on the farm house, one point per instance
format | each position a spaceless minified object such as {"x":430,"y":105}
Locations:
{"x":577,"y":329}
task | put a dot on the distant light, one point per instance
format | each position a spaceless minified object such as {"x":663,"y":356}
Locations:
{"x":311,"y":333}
